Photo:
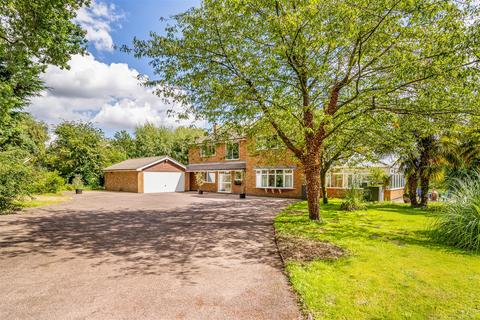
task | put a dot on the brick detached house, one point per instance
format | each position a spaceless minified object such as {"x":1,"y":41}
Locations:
{"x":258,"y":166}
{"x":261,"y":167}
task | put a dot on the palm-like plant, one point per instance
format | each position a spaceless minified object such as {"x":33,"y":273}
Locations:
{"x":462,"y":153}
{"x":459,"y":222}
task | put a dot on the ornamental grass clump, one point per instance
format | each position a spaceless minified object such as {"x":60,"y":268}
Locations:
{"x":353,"y":200}
{"x":458,"y":223}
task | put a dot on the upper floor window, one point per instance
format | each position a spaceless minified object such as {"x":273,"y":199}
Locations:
{"x":232,"y":151}
{"x":268,"y":142}
{"x":207,"y":150}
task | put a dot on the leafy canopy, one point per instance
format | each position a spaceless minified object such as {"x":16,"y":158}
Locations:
{"x":308,"y":67}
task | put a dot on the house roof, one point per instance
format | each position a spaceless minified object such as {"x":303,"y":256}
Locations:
{"x":138,"y":164}
{"x":215,"y":166}
{"x":219,"y":138}
{"x":385,"y":162}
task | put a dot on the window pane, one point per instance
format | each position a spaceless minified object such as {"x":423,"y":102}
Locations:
{"x":235,"y":151}
{"x":211,"y":177}
{"x":337,"y":181}
{"x":271,"y":180}
{"x":264,"y":180}
{"x":279,"y":180}
{"x":232,"y":151}
{"x":288,"y":181}
{"x":238,"y":175}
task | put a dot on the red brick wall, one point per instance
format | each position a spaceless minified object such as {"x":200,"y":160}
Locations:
{"x":336,"y":193}
{"x":395,"y":194}
{"x":128,"y":181}
{"x":253,"y":158}
{"x":195,"y":157}
{"x":207,"y":187}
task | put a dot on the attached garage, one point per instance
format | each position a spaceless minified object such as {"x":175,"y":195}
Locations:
{"x":146,"y":175}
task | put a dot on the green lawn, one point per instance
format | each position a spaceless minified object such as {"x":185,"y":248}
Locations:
{"x":393,"y":270}
{"x":43,"y":200}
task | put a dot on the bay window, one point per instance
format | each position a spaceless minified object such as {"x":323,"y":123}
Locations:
{"x":274,"y":178}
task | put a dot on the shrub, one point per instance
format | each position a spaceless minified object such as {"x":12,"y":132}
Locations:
{"x":15,"y":178}
{"x":458,"y":223}
{"x":353,"y":200}
{"x":48,"y":182}
{"x":77,"y":182}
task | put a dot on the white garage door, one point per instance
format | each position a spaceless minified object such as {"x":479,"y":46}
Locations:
{"x":163,"y":182}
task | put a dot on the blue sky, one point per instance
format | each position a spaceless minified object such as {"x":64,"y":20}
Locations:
{"x":102,"y":87}
{"x":140,"y":17}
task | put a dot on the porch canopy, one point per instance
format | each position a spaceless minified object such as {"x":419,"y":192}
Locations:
{"x":217,"y":166}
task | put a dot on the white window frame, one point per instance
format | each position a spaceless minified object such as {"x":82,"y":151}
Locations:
{"x":210,"y":155}
{"x":227,"y":156}
{"x":397,"y":181}
{"x":225,"y":184}
{"x":259,"y":173}
{"x":235,"y":176}
{"x":207,"y":175}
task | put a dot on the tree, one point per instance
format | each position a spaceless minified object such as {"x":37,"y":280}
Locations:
{"x":24,"y":132}
{"x":306,"y":67}
{"x":360,"y":141}
{"x":183,"y":138}
{"x":123,"y":141}
{"x":16,"y":176}
{"x":33,"y":35}
{"x":79,"y":148}
{"x":150,"y":140}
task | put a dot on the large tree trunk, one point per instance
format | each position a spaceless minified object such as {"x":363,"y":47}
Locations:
{"x":427,"y":146}
{"x":412,"y":182}
{"x":424,"y":186}
{"x":323,"y":177}
{"x":312,"y":178}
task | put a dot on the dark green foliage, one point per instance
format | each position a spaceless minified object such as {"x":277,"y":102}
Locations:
{"x":22,"y":131}
{"x":80,"y":148}
{"x":16,"y":177}
{"x":353,"y":200}
{"x":150,"y":140}
{"x":458,"y":224}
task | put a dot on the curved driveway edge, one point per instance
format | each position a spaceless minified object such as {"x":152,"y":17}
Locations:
{"x":144,"y":256}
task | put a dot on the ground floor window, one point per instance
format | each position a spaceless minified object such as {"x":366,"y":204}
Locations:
{"x":281,"y":178}
{"x":397,"y":181}
{"x":209,"y":176}
{"x":238,"y":177}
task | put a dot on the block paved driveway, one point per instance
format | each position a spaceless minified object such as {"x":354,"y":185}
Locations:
{"x":144,"y":256}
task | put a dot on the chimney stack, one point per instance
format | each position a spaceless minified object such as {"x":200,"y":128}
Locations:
{"x":215,"y":128}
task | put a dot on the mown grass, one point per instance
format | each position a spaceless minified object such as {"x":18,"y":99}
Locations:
{"x":393,"y":270}
{"x":42,"y":200}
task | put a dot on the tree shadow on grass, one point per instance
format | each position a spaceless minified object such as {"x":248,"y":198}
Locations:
{"x":178,"y":241}
{"x":367,"y":227}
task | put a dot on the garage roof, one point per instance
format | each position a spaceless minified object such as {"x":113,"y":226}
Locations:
{"x":215,"y":166}
{"x":138,"y":164}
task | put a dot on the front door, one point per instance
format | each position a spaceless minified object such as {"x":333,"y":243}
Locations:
{"x":225,"y":181}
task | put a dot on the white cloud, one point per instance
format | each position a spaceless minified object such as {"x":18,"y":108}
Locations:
{"x":97,"y":20}
{"x":109,"y":95}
